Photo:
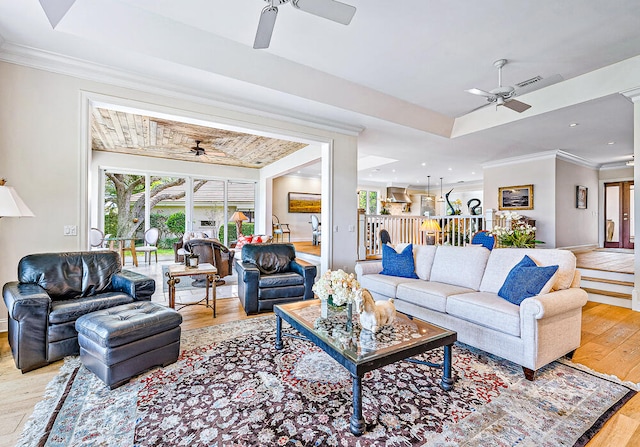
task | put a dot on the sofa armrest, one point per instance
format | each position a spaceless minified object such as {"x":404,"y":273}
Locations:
{"x":368,"y":267}
{"x":554,"y":303}
{"x":140,"y":287}
{"x":308,"y":271}
{"x":28,"y":306}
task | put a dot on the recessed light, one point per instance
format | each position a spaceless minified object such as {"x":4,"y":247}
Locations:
{"x":393,"y":170}
{"x":450,"y":169}
{"x":611,"y":143}
{"x":573,"y":124}
{"x":424,"y":164}
{"x":473,"y":173}
{"x":298,"y":172}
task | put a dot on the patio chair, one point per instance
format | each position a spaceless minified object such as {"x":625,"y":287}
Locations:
{"x":96,"y":239}
{"x":151,"y":237}
{"x":280,"y":229}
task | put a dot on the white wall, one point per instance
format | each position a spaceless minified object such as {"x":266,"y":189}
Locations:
{"x":539,"y":172}
{"x":298,"y":222}
{"x":43,"y":154}
{"x":576,"y":227}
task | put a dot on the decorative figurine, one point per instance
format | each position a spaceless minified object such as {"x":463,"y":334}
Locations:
{"x":374,"y":314}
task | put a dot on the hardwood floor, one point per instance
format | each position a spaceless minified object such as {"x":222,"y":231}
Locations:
{"x":610,"y":344}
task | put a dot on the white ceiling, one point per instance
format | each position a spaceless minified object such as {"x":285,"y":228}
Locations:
{"x":399,"y":70}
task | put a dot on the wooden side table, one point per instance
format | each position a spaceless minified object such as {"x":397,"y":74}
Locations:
{"x":176,"y":271}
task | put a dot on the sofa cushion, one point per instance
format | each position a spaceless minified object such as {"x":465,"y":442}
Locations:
{"x":486,"y":309}
{"x":502,"y":260}
{"x":430,"y":294}
{"x":63,"y":311}
{"x":398,"y":264}
{"x":459,"y":266}
{"x":423,"y":256}
{"x":526,"y":279}
{"x":383,"y":284}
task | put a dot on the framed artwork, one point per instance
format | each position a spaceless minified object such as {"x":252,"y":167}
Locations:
{"x":581,"y":197}
{"x":515,"y":197}
{"x":304,"y":202}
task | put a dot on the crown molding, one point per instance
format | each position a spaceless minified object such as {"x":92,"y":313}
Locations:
{"x":555,"y":154}
{"x":632,"y":94}
{"x":69,"y":66}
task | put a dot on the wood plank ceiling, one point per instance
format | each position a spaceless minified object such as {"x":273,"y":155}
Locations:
{"x":127,"y":133}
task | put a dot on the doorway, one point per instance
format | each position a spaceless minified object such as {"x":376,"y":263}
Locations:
{"x":619,"y":215}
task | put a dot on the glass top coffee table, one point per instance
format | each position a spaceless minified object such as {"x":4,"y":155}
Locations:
{"x":360,"y":351}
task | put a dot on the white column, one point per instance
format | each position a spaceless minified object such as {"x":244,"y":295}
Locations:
{"x":634,"y":96}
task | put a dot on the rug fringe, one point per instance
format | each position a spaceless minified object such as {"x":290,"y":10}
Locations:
{"x":612,"y":378}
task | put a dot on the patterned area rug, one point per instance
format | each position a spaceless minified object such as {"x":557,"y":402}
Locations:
{"x":230,"y":387}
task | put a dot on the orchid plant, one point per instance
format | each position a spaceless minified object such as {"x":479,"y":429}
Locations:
{"x":516,"y":233}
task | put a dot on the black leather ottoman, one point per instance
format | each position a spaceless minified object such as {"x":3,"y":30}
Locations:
{"x":123,"y":341}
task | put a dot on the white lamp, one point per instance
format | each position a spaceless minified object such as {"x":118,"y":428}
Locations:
{"x":11,"y":205}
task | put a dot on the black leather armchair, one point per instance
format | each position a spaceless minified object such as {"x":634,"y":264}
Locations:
{"x":270,"y":274}
{"x":53,"y":290}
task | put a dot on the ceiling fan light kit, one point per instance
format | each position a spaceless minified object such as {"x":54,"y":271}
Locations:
{"x":328,"y":9}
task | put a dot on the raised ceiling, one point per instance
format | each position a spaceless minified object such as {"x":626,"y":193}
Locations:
{"x":398,"y":71}
{"x":128,"y":133}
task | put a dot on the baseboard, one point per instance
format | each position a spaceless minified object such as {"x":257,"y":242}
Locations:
{"x":4,"y":325}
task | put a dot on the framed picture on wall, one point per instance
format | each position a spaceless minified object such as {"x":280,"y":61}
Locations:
{"x":581,"y":197}
{"x":515,"y":197}
{"x":304,"y":202}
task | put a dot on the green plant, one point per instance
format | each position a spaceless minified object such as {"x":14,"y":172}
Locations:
{"x":167,"y":242}
{"x":176,"y":223}
{"x":247,"y":229}
{"x":516,"y":233}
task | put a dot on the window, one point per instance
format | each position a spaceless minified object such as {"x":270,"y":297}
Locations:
{"x":368,"y":200}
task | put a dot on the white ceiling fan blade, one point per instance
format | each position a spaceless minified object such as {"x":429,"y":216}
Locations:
{"x":477,"y":91}
{"x":516,"y":105}
{"x":56,"y":10}
{"x":265,"y":27}
{"x":328,"y":9}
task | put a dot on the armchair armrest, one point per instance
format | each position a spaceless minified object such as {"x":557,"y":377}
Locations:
{"x":554,"y":303}
{"x":28,"y":306}
{"x":248,"y":280}
{"x":308,"y":272}
{"x":140,"y":287}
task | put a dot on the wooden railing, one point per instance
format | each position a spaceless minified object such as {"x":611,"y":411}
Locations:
{"x":454,"y":230}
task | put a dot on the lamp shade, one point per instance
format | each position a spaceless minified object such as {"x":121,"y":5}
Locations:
{"x":430,"y":225}
{"x":238,"y":216}
{"x":11,"y":205}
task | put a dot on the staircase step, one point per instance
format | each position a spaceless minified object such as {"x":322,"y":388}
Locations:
{"x":626,"y":296}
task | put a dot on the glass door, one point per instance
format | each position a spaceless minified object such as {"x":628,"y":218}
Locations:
{"x":619,"y":215}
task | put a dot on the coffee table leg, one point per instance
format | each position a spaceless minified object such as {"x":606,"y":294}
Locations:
{"x":357,"y":424}
{"x":171,"y":282}
{"x":447,"y":379}
{"x":279,"y":332}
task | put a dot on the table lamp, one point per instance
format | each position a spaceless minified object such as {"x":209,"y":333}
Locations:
{"x":431,"y":227}
{"x":11,"y":205}
{"x":238,"y":217}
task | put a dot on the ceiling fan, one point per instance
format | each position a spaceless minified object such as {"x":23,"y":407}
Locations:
{"x":328,"y":9}
{"x":502,"y":95}
{"x":198,"y":151}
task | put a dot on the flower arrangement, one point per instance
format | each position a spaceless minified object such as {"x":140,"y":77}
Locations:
{"x":340,"y":285}
{"x":516,"y":233}
{"x":456,"y":207}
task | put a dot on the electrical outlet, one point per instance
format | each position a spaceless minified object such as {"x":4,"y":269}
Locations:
{"x":351,"y":228}
{"x":335,"y":228}
{"x":70,"y":230}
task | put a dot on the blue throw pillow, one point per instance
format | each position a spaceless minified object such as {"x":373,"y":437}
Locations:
{"x":525,"y":280}
{"x":398,"y":264}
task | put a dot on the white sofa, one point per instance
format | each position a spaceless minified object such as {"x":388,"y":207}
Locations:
{"x":457,"y":289}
